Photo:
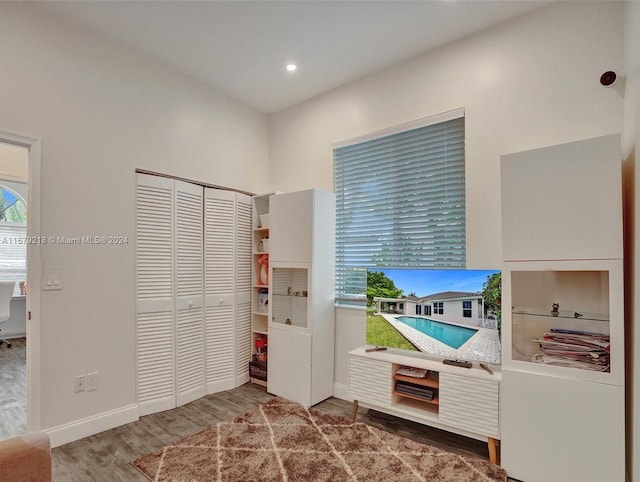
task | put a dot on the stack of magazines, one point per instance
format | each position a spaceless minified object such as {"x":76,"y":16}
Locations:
{"x":576,"y":349}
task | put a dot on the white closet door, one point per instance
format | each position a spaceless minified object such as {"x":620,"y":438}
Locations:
{"x":219,"y":289}
{"x":243,"y":287}
{"x":189,"y":292}
{"x":154,"y":294}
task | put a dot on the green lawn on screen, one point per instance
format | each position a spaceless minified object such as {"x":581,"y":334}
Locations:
{"x":381,"y":333}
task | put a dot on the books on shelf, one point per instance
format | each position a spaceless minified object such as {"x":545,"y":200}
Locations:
{"x":416,"y":390}
{"x":263,"y":300}
{"x":572,"y":348}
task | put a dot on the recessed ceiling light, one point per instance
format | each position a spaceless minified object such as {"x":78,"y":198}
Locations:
{"x":291,"y":67}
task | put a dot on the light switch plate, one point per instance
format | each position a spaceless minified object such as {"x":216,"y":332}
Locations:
{"x":51,"y":281}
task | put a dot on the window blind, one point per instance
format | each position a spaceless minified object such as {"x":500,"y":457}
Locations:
{"x":400,"y":203}
{"x":13,"y":253}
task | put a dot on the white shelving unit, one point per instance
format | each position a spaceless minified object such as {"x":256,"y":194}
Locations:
{"x":563,"y":275}
{"x":301,"y":296}
{"x":260,"y":289}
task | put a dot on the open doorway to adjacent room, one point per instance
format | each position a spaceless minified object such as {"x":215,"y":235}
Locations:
{"x":14,"y":165}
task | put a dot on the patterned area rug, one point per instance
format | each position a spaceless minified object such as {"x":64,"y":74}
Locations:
{"x":284,"y":441}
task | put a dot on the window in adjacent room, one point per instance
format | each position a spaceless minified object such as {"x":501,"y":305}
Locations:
{"x":400,"y":201}
{"x":438,"y":308}
{"x":13,"y":233}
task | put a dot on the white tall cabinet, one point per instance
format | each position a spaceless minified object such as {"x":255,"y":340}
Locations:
{"x":301,"y":296}
{"x":193,"y":256}
{"x":562,"y":405}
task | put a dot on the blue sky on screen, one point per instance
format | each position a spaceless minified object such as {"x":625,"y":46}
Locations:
{"x":425,"y":282}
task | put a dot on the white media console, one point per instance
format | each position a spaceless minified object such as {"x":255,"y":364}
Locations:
{"x":465,"y":400}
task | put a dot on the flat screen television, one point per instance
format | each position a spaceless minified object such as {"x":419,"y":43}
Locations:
{"x":441,"y":313}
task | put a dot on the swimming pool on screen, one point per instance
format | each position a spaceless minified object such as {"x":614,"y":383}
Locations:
{"x":451,"y":335}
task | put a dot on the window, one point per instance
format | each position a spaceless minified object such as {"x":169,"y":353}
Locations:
{"x":400,"y":201}
{"x":13,"y":233}
{"x":418,"y":310}
{"x":427,"y":310}
{"x":438,"y":307}
{"x":466,"y":309}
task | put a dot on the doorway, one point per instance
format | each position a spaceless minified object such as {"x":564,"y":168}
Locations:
{"x":19,"y":279}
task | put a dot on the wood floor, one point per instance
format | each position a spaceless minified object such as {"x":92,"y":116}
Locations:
{"x":13,"y":389}
{"x":107,"y":456}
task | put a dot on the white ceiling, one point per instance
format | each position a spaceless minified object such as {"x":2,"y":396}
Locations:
{"x":242,"y":47}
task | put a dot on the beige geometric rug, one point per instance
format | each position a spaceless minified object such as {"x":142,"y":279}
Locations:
{"x":284,"y":441}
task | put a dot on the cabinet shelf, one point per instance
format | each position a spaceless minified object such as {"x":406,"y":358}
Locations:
{"x":259,"y":290}
{"x":434,"y":401}
{"x":431,"y":380}
{"x":582,"y":315}
{"x":414,"y":387}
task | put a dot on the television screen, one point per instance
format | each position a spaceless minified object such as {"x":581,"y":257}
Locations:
{"x":442,"y":313}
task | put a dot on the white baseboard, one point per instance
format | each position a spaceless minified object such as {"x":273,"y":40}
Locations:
{"x":69,"y":432}
{"x":341,"y":391}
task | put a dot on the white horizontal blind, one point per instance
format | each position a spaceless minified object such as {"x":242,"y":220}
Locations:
{"x":13,"y":253}
{"x":400,"y":203}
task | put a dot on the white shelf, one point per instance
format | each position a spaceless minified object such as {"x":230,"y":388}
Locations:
{"x":572,"y":315}
{"x":259,"y":319}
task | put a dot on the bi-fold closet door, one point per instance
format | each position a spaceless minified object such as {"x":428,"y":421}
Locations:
{"x":227,"y":261}
{"x":192,"y":291}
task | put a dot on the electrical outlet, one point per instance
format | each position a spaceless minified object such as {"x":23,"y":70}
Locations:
{"x":92,"y":381}
{"x":79,"y":383}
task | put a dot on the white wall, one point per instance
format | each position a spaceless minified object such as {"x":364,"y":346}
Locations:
{"x":528,"y":83}
{"x":631,"y":141}
{"x":101,"y":112}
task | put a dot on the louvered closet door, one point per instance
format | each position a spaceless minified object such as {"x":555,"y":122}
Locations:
{"x":189,"y":292}
{"x":154,"y":294}
{"x":220,"y":229}
{"x":243,"y":287}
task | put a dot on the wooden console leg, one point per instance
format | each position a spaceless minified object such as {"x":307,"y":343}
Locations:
{"x":494,"y":451}
{"x":354,"y":410}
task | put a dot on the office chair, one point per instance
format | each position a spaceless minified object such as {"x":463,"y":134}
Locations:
{"x":6,"y":293}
